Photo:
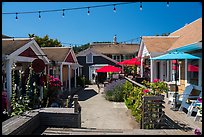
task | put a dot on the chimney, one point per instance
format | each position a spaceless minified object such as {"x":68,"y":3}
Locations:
{"x":114,"y":39}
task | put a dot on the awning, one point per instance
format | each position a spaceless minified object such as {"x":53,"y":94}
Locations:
{"x":187,"y":48}
{"x":175,"y":55}
{"x":192,"y":68}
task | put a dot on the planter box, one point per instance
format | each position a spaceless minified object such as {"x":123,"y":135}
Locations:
{"x":152,"y":113}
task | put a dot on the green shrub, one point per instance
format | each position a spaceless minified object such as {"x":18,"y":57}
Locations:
{"x":87,"y":82}
{"x":133,"y":99}
{"x":109,"y":96}
{"x":80,"y":81}
{"x":116,"y":94}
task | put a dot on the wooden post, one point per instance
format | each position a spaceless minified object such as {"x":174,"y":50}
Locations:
{"x":75,"y":75}
{"x":9,"y":83}
{"x":75,"y":103}
{"x":69,"y":78}
{"x":61,"y":77}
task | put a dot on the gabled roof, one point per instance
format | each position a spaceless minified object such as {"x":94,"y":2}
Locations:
{"x":56,"y":53}
{"x":10,"y":45}
{"x":188,"y":34}
{"x":108,"y":48}
{"x":158,"y":43}
{"x":95,"y":53}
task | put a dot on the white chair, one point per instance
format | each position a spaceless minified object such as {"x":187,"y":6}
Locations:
{"x":190,"y":106}
{"x":193,"y":106}
{"x":180,"y":97}
{"x":198,"y":115}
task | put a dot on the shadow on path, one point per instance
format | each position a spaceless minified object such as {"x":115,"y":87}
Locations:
{"x":173,"y":124}
{"x":86,"y":94}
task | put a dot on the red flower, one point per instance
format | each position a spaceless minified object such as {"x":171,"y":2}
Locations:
{"x":146,"y":90}
{"x":200,"y":99}
{"x":156,"y":80}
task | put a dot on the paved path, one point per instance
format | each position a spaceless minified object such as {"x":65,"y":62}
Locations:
{"x":102,"y":117}
{"x":98,"y":113}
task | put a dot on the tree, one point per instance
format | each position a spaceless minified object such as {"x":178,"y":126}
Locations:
{"x":163,"y":34}
{"x":46,"y":41}
{"x":77,"y":49}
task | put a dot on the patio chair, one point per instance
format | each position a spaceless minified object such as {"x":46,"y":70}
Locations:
{"x":180,"y":97}
{"x":198,"y":115}
{"x":192,"y":104}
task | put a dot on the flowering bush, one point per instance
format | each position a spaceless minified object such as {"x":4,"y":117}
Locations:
{"x":54,"y":85}
{"x":156,"y":87}
{"x":114,"y":90}
{"x":54,"y":82}
{"x":197,"y":131}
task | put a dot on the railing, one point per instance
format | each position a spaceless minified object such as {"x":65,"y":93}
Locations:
{"x":135,"y":83}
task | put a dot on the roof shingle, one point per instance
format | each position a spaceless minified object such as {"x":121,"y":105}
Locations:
{"x":56,"y":53}
{"x":9,"y":46}
{"x":116,"y":48}
{"x":188,"y":34}
{"x":158,"y":43}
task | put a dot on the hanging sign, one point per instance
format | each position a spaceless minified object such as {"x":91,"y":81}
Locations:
{"x":38,"y":65}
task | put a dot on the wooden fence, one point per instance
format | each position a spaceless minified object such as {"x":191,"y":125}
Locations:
{"x":152,"y":113}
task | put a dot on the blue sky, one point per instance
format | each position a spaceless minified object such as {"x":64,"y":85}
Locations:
{"x":102,"y":24}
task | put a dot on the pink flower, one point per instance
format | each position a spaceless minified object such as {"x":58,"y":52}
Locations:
{"x":156,"y":80}
{"x":200,"y":99}
{"x":197,"y":131}
{"x":146,"y":90}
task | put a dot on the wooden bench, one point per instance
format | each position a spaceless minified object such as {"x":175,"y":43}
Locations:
{"x":27,"y":123}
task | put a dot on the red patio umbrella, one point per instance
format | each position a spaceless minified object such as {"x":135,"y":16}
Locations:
{"x":133,"y":61}
{"x":122,"y":62}
{"x":109,"y":68}
{"x":192,"y":68}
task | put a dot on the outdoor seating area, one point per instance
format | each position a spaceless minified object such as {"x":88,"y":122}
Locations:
{"x":186,"y":102}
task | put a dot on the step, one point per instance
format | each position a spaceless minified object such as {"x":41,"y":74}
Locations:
{"x":93,"y":131}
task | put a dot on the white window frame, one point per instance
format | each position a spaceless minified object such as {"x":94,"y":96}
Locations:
{"x":87,"y":61}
